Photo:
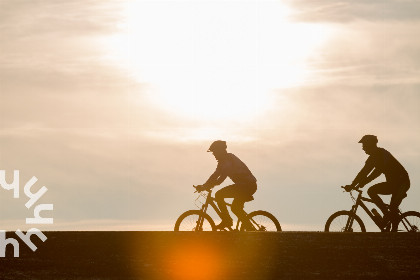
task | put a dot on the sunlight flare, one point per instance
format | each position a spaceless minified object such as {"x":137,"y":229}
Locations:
{"x":215,"y":60}
{"x":194,"y":260}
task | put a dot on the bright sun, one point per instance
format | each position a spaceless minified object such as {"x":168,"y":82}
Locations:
{"x":216,"y":60}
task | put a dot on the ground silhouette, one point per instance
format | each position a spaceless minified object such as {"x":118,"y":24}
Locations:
{"x":218,"y":255}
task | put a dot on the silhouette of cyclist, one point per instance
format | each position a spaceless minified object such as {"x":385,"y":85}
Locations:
{"x":245,"y":184}
{"x":380,"y":161}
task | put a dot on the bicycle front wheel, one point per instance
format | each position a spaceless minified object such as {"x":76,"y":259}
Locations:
{"x":194,"y":220}
{"x":409,"y":222}
{"x":344,"y":221}
{"x":262,"y":221}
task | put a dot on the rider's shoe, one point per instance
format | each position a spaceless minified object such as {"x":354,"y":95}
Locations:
{"x":390,"y":221}
{"x":224,"y":224}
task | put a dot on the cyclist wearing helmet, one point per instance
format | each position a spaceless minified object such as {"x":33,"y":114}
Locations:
{"x":380,"y":161}
{"x":245,"y":184}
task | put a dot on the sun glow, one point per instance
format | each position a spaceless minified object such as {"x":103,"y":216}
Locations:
{"x":210,"y":60}
{"x":194,"y":260}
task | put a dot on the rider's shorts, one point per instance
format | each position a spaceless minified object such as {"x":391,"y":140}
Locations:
{"x":244,"y":191}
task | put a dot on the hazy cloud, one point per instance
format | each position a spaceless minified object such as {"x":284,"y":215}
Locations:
{"x":91,"y":134}
{"x":366,"y":53}
{"x":347,"y":11}
{"x":55,"y":42}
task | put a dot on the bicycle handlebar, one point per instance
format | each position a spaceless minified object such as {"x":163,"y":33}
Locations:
{"x":344,"y":187}
{"x":352,"y":189}
{"x":207,"y":189}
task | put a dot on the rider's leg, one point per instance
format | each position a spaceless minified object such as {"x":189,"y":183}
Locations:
{"x":380,"y":188}
{"x":398,"y":196}
{"x":238,"y":210}
{"x":396,"y":200}
{"x":246,"y":192}
{"x":220,"y":195}
{"x":240,"y":192}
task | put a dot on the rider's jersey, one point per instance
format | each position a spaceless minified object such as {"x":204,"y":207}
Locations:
{"x":235,"y":169}
{"x":386,"y":163}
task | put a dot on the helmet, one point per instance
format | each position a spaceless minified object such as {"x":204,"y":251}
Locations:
{"x":369,"y":139}
{"x":217,"y":146}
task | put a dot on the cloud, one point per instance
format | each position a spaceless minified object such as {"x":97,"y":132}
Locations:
{"x":90,"y":134}
{"x":359,"y":10}
{"x":369,"y":53}
{"x":56,"y":41}
{"x":23,"y":20}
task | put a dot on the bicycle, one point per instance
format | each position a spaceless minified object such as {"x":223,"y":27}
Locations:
{"x":349,"y":221}
{"x":199,"y":220}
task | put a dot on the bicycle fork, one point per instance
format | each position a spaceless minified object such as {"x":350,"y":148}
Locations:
{"x":200,"y":220}
{"x":349,"y":224}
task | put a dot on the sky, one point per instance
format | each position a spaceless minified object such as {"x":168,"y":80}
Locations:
{"x":113,"y":104}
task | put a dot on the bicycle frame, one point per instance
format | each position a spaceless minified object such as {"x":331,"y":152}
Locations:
{"x":211,"y":201}
{"x":359,"y":202}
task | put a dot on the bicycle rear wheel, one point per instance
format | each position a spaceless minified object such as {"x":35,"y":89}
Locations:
{"x":262,"y":221}
{"x":194,"y":220}
{"x":344,"y":221}
{"x":409,"y":222}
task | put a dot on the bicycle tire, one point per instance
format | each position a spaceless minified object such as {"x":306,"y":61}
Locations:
{"x":409,"y":222}
{"x":188,"y":221}
{"x":337,"y":222}
{"x":263,"y":221}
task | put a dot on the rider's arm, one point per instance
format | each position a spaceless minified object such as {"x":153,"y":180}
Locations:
{"x":361,"y":178}
{"x":212,"y":180}
{"x":372,"y":176}
{"x":216,"y":178}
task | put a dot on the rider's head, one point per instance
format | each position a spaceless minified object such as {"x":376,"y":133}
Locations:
{"x":218,"y":148}
{"x":369,"y":143}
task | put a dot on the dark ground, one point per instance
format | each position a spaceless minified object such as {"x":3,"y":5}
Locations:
{"x":216,"y":255}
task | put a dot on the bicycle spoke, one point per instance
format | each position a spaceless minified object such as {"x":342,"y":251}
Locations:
{"x":405,"y":224}
{"x":344,"y":222}
{"x":260,"y":223}
{"x":194,"y":223}
{"x":263,"y":221}
{"x":409,"y":223}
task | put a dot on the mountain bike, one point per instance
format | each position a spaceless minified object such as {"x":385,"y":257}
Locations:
{"x":199,"y":220}
{"x":349,"y":221}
